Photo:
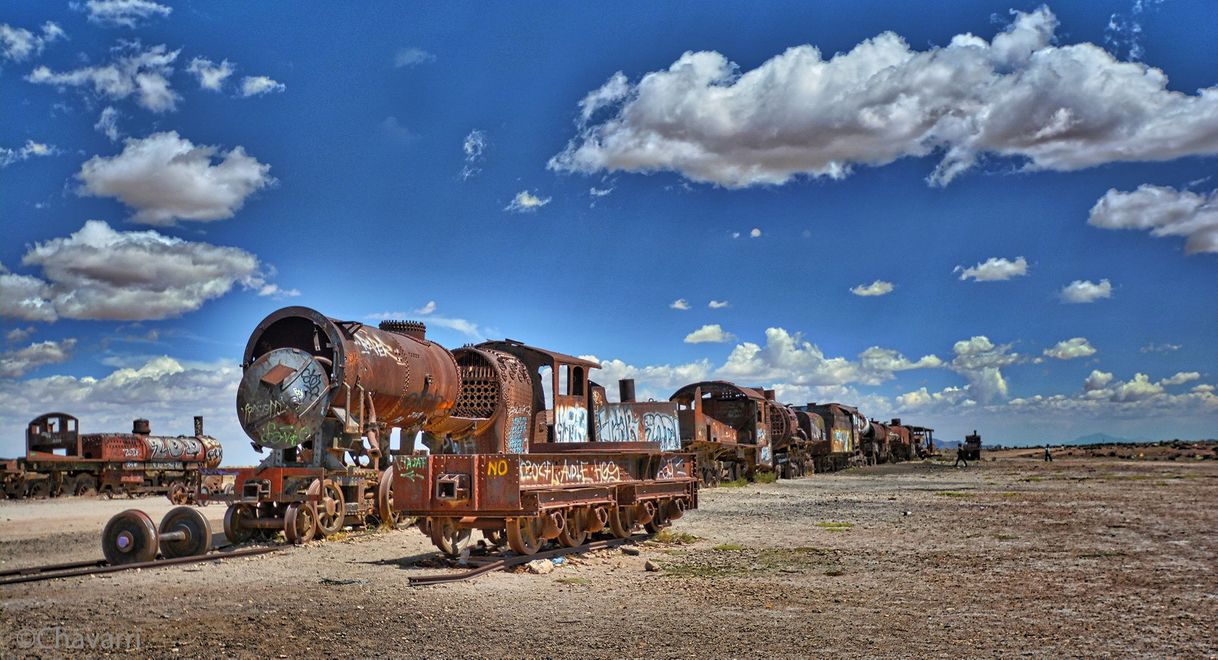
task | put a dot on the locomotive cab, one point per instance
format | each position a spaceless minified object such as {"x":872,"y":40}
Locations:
{"x":56,"y":433}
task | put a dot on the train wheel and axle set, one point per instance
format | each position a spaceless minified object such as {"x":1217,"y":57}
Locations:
{"x":131,"y":537}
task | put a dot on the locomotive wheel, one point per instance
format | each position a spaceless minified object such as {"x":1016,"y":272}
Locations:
{"x":497,"y":537}
{"x":524,"y":534}
{"x":575,"y":532}
{"x":41,"y":489}
{"x":659,"y":520}
{"x":621,"y":522}
{"x":384,"y":500}
{"x":130,"y":537}
{"x":331,"y":510}
{"x":267,"y":510}
{"x":178,"y":493}
{"x":84,"y":485}
{"x":236,"y":514}
{"x":194,"y":524}
{"x":300,"y":523}
{"x":445,"y":536}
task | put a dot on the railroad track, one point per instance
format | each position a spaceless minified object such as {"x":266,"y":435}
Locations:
{"x":99,"y":566}
{"x":505,"y":562}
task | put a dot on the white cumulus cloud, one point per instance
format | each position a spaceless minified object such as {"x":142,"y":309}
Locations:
{"x":142,"y":73}
{"x":165,"y":178}
{"x":211,"y":76}
{"x":162,"y":389}
{"x":718,"y":304}
{"x":680,"y":303}
{"x":994,"y":269}
{"x":526,"y":202}
{"x":1180,"y":378}
{"x":1022,"y":94}
{"x":124,"y":13}
{"x":1086,"y":291}
{"x":876,"y":288}
{"x":1163,"y":212}
{"x":258,"y":85}
{"x":102,"y":274}
{"x":1069,"y":349}
{"x":980,"y":361}
{"x":652,"y":381}
{"x":14,"y":364}
{"x":19,"y":44}
{"x":755,"y":233}
{"x":709,"y":334}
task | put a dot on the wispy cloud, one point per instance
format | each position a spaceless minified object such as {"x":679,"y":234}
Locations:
{"x":876,"y":288}
{"x":526,"y":202}
{"x":994,"y":269}
{"x":408,"y":57}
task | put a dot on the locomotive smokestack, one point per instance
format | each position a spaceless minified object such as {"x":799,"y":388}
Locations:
{"x":141,"y":427}
{"x":198,"y":425}
{"x":625,"y":388}
{"x":769,"y":395}
{"x":896,"y":421}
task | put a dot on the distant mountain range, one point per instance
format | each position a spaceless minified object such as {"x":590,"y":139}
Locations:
{"x":1091,"y":439}
{"x":1103,"y":439}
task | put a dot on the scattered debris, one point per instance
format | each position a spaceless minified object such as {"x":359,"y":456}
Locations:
{"x":342,"y":581}
{"x":540,"y":566}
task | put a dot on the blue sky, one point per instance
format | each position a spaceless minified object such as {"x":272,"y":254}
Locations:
{"x":169,"y":174}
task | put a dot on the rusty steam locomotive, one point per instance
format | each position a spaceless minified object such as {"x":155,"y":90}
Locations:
{"x":60,"y":460}
{"x":737,"y":431}
{"x":522,"y":445}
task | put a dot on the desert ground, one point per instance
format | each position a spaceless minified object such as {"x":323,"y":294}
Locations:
{"x":1089,"y":555}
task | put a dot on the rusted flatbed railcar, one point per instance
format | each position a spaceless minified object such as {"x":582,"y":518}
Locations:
{"x":563,"y":473}
{"x":523,"y":500}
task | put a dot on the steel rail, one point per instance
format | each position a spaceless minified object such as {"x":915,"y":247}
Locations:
{"x":77,"y":569}
{"x":517,"y":560}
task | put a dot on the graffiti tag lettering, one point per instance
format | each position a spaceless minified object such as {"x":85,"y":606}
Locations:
{"x":616,"y":424}
{"x":661,"y":428}
{"x":571,"y":424}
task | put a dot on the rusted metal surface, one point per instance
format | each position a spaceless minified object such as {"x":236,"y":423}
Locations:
{"x":972,"y":447}
{"x":324,"y":394}
{"x":632,"y":421}
{"x":341,"y":370}
{"x":77,"y":569}
{"x":60,"y":460}
{"x":729,"y":426}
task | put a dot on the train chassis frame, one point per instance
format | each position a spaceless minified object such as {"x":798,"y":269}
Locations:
{"x":303,"y":502}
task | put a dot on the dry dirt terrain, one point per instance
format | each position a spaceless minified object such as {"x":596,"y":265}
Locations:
{"x":1083,"y":556}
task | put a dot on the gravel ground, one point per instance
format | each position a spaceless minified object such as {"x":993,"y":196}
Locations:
{"x":1083,"y":556}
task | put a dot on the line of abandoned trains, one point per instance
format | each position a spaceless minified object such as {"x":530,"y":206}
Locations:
{"x":521,"y":443}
